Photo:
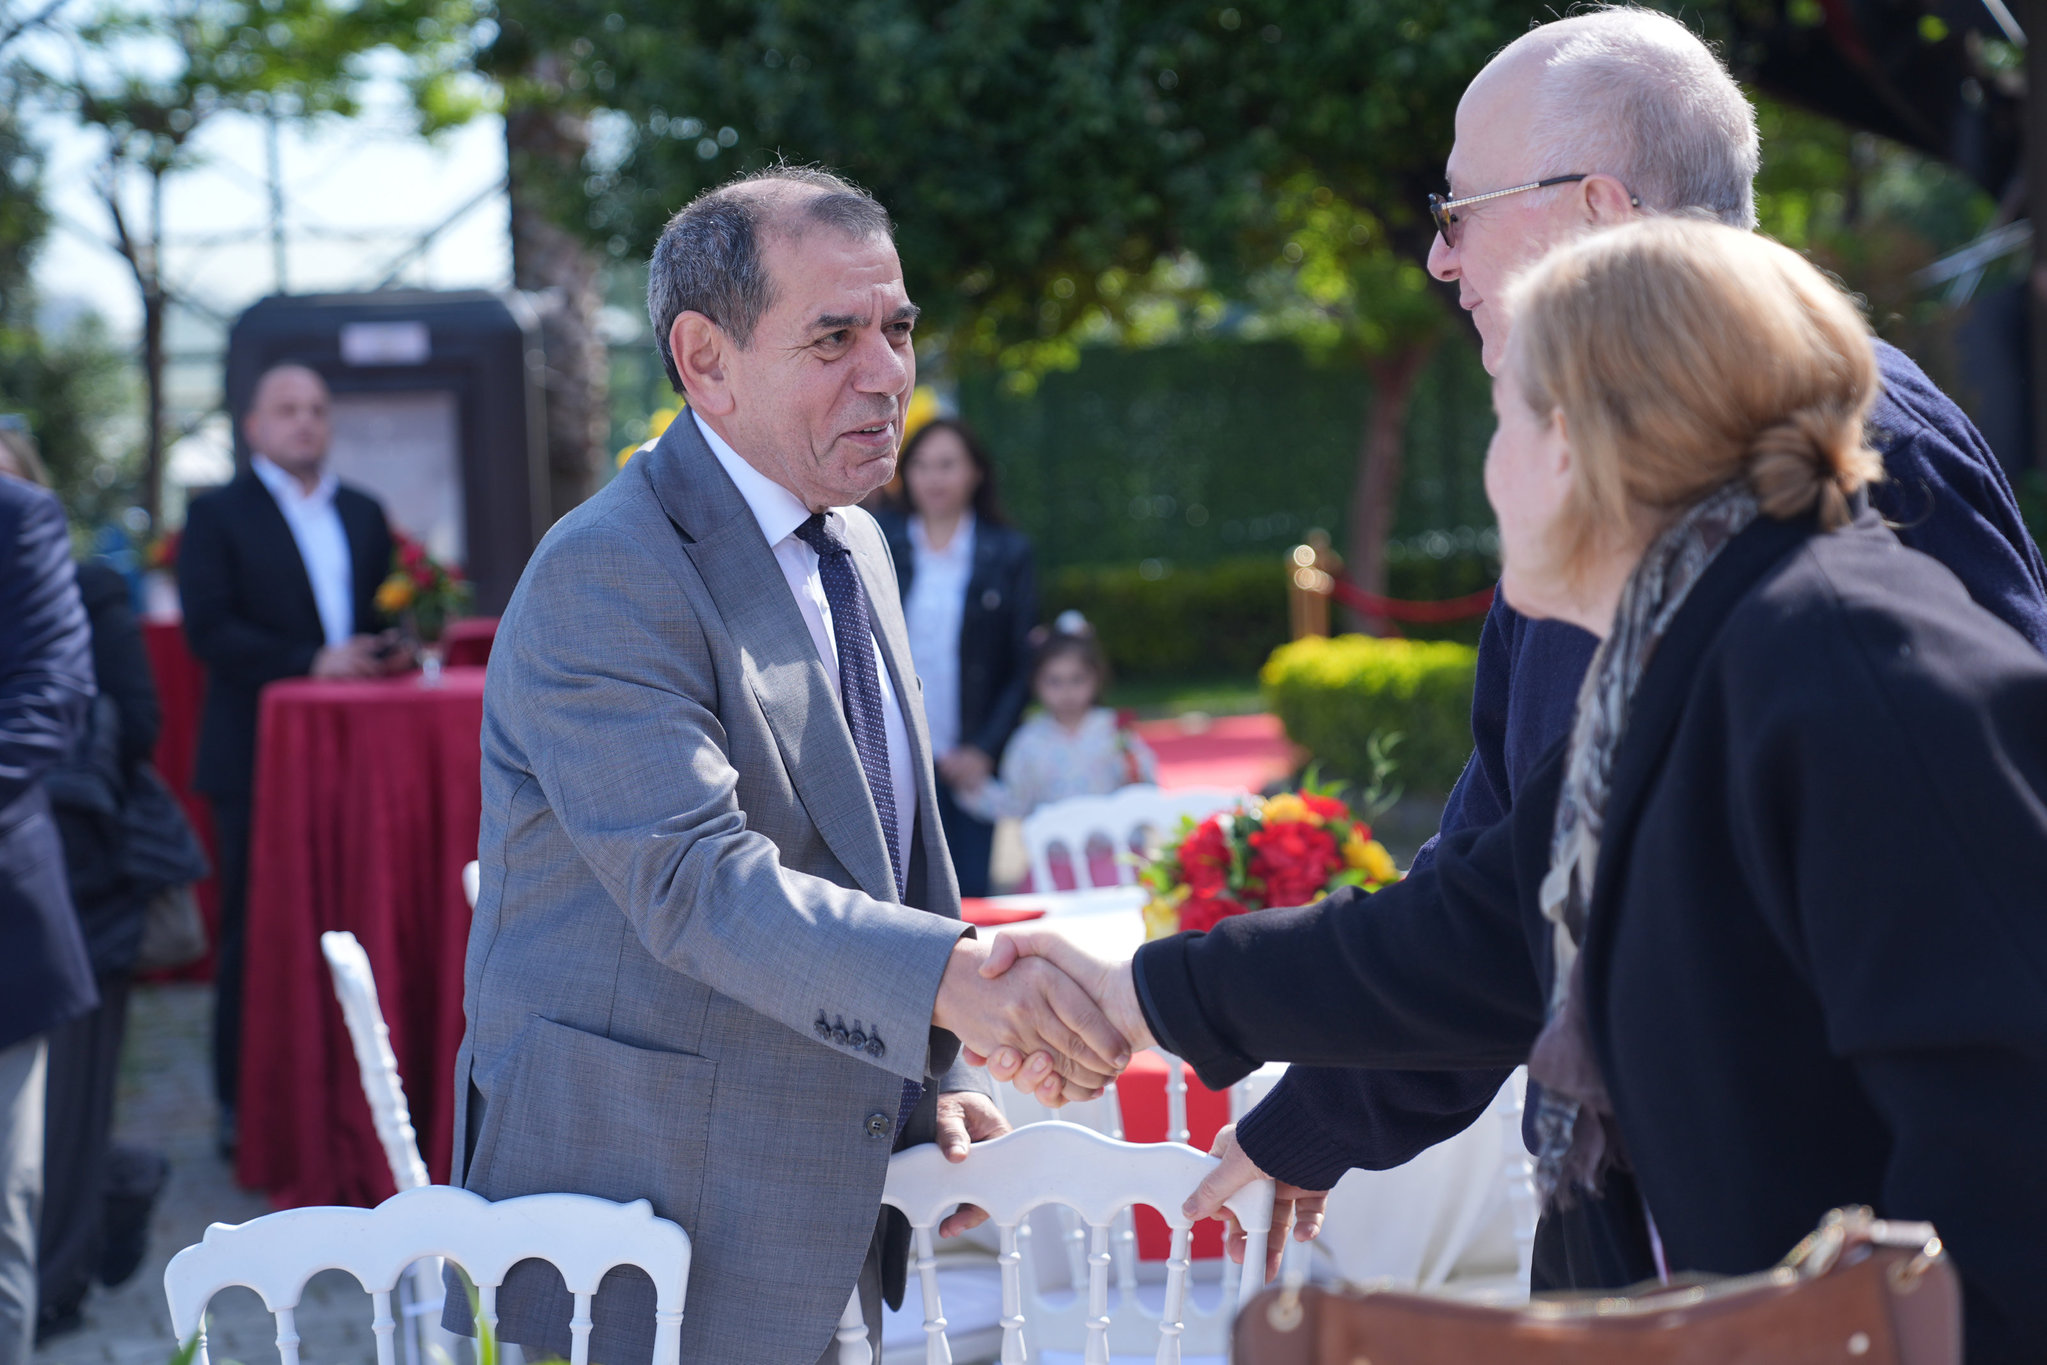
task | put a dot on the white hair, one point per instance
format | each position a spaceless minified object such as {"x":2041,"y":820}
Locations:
{"x":1639,"y":96}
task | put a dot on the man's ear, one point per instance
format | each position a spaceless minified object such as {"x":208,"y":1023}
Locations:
{"x":1608,"y":203}
{"x":701,"y":349}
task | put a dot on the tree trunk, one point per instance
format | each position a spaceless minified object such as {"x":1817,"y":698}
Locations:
{"x":150,"y":277}
{"x":544,"y":153}
{"x":1376,"y":491}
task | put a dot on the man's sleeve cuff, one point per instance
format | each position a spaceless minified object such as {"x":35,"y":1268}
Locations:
{"x":1285,"y":1139}
{"x":1173,"y":1013}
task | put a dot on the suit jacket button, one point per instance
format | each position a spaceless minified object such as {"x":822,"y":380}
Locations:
{"x":990,"y":600}
{"x":878,"y":1125}
{"x":859,"y":1037}
{"x":874,"y":1047}
{"x":823,"y":1027}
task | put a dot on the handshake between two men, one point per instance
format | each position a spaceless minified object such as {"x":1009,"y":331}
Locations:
{"x":1059,"y":1023}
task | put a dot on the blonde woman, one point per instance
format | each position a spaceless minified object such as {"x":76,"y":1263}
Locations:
{"x":1768,"y":926}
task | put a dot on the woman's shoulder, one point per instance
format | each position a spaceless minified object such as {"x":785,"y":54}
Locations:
{"x":1856,"y":605}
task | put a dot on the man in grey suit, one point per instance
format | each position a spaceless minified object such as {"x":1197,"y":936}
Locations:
{"x":717,"y":961}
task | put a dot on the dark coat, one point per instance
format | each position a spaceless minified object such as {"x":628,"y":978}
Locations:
{"x":1816,"y":967}
{"x":1946,"y":496}
{"x":250,"y":613}
{"x":45,"y":687}
{"x":995,"y":629}
{"x":89,"y":792}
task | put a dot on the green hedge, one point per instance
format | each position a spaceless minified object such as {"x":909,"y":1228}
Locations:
{"x":1334,"y":695}
{"x":1218,"y":620}
{"x":1223,"y":620}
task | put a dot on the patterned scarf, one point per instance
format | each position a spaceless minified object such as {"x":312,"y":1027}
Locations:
{"x":1571,"y":1154}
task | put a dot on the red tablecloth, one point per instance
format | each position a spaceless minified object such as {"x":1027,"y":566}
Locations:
{"x":1142,"y":1093}
{"x":181,"y":692}
{"x":366,"y":809}
{"x":468,"y":641}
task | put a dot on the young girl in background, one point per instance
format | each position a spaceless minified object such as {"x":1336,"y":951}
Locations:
{"x":1072,"y":747}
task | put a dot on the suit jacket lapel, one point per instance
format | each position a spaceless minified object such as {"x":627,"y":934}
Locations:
{"x":275,"y":544}
{"x":724,"y":542}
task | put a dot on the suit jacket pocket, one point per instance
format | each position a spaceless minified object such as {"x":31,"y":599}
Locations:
{"x":578,"y":1112}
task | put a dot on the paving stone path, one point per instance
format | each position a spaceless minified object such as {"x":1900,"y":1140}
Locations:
{"x":166,"y":1101}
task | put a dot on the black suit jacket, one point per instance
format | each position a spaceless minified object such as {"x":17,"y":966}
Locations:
{"x":250,"y":613}
{"x":1816,"y":967}
{"x":995,"y":628}
{"x":45,"y":686}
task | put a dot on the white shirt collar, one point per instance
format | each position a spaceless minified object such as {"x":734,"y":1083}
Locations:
{"x":778,"y":511}
{"x":286,"y":487}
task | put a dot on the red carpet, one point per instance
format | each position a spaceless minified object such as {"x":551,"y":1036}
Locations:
{"x":1229,"y":751}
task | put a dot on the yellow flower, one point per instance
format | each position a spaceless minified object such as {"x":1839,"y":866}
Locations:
{"x":1289,"y":807}
{"x":394,"y":594}
{"x":1162,"y":914}
{"x":1370,"y":857}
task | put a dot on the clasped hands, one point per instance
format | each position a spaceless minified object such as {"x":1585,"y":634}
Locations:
{"x":1059,"y":1023}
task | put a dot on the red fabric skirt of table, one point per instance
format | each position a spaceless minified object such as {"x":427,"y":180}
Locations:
{"x":366,"y":808}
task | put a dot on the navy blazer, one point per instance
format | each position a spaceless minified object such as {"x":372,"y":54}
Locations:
{"x":250,"y":613}
{"x":995,"y":628}
{"x":1815,"y":969}
{"x":45,"y":687}
{"x":1945,"y":495}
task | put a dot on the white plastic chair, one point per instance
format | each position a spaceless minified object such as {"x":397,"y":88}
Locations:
{"x":1120,"y":819}
{"x":1097,"y":1177}
{"x":356,"y":987}
{"x":583,"y":1237}
{"x":471,"y":881}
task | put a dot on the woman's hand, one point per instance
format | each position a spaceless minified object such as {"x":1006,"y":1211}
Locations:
{"x":1292,"y":1206}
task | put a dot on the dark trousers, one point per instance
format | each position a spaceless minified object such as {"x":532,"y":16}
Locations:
{"x":231,"y":828}
{"x":971,"y":842}
{"x":1599,"y":1242}
{"x":78,"y":1128}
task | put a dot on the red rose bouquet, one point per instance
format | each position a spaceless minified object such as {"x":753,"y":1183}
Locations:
{"x":425,"y":592}
{"x":1288,"y":849}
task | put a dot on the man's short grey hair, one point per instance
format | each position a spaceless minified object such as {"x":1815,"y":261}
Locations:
{"x":709,"y":257}
{"x":1639,"y":96}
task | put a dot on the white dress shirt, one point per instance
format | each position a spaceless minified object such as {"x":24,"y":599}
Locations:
{"x":779,"y":513}
{"x":934,"y":608}
{"x":323,"y":544}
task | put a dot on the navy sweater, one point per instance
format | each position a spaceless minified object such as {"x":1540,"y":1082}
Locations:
{"x":1945,"y":495}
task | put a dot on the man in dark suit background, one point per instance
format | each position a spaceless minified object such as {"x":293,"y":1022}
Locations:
{"x":46,"y":683}
{"x":278,"y":574}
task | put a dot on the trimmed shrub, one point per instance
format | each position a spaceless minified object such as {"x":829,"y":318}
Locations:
{"x":1334,"y":695}
{"x":1216,"y":620}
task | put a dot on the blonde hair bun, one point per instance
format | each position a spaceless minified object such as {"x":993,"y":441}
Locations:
{"x":1812,"y":459}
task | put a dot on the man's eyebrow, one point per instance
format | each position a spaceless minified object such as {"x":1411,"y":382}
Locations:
{"x":832,"y":322}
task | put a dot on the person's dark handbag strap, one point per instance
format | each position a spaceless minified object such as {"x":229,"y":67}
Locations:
{"x":1858,"y":1290}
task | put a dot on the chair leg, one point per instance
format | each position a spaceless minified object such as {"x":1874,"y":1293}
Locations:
{"x":854,"y":1348}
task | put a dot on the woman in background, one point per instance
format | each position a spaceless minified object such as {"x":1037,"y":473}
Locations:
{"x":970,"y":596}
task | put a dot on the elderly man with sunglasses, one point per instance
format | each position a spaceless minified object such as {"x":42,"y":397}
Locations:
{"x":1579,"y":125}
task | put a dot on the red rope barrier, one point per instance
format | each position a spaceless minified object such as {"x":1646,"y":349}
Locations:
{"x":1413,"y":613}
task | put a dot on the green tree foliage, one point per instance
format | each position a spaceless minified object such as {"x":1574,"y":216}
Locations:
{"x":150,"y":76}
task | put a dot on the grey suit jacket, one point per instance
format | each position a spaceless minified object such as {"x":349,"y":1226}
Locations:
{"x":688,"y":979}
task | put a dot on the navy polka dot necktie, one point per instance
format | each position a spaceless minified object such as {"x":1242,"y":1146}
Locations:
{"x":860,"y":696}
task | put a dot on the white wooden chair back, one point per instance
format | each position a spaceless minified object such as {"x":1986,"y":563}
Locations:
{"x":1516,"y":1190}
{"x":581,"y":1236}
{"x":356,"y":988}
{"x":1098,"y":1178}
{"x":471,"y":881}
{"x":1120,"y":819}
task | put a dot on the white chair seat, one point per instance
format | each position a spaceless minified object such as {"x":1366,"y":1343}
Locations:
{"x":1119,"y":819}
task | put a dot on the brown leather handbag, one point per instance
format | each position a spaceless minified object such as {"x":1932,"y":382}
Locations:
{"x":1857,"y":1291}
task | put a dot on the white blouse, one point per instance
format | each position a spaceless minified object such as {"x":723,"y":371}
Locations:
{"x":933,"y":610}
{"x":1046,"y":762}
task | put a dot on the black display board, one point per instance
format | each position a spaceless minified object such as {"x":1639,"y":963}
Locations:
{"x":437,"y":408}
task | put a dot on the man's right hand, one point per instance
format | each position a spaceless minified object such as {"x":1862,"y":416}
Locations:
{"x":355,"y":657}
{"x":1292,"y":1206}
{"x":1038,"y":1010}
